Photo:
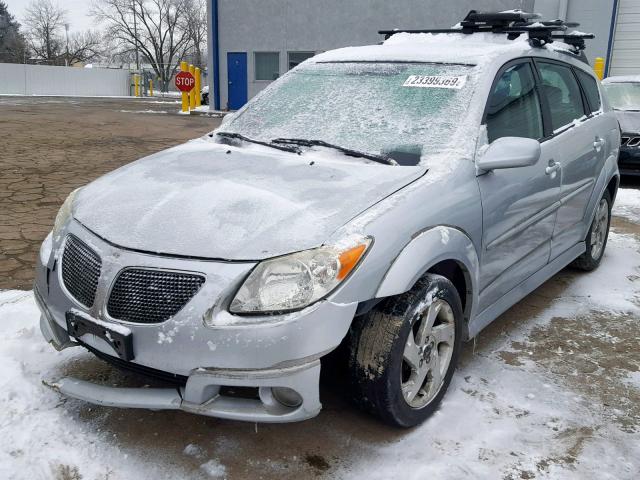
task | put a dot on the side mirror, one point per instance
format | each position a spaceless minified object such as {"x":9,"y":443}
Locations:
{"x":509,"y":152}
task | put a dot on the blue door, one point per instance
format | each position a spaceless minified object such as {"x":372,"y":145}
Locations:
{"x":237,"y":77}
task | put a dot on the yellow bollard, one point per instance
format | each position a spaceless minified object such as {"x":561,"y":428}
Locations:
{"x":192,"y":95}
{"x":185,"y":95}
{"x":151,"y":87}
{"x":136,"y":85}
{"x":598,"y":67}
{"x":198,"y":87}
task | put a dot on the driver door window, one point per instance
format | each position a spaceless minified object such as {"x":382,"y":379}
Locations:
{"x":513,"y":109}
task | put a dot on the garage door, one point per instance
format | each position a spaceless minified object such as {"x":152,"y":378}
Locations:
{"x":625,"y":55}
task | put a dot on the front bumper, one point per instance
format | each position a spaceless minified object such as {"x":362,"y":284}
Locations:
{"x":272,"y":352}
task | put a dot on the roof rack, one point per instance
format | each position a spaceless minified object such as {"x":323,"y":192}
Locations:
{"x":513,"y":23}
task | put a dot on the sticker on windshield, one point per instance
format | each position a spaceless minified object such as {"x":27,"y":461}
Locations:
{"x":436,"y":81}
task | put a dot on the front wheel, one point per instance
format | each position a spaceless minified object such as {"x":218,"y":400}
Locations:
{"x":403,"y":354}
{"x":597,"y":236}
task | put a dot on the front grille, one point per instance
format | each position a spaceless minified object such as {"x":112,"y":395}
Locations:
{"x":151,"y":296}
{"x":80,"y":270}
{"x":629,"y":140}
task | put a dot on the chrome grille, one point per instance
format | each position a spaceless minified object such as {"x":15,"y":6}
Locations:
{"x":151,"y":296}
{"x":80,"y":270}
{"x":629,"y":140}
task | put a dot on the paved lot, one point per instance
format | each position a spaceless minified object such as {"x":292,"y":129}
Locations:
{"x":50,"y":146}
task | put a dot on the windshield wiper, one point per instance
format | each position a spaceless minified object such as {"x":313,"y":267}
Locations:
{"x":239,"y":136}
{"x":347,"y":151}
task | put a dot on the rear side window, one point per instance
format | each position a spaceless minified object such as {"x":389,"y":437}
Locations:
{"x":590,"y":87}
{"x":560,"y":88}
{"x":514,"y":108}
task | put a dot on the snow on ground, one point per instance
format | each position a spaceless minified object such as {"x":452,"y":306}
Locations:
{"x":557,"y":397}
{"x":627,"y":204}
{"x":39,"y":437}
{"x":145,"y":111}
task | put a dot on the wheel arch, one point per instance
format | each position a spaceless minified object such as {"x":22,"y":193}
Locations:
{"x":442,"y":250}
{"x":612,"y":187}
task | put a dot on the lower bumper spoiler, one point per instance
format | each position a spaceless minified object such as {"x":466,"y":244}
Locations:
{"x":147,"y":398}
{"x":202,"y":396}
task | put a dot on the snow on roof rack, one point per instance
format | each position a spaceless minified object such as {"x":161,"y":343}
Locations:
{"x":513,"y":23}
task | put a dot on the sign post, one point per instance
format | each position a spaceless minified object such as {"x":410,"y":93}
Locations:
{"x":198,"y":87}
{"x":185,"y":82}
{"x":192,"y":93}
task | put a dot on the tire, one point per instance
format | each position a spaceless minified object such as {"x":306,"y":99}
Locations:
{"x":382,"y":353}
{"x":597,"y":236}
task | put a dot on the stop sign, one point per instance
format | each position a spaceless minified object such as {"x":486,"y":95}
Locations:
{"x":185,"y":81}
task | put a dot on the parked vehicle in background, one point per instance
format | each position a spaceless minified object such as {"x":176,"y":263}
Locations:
{"x":394,"y":199}
{"x":623,"y":93}
{"x":204,"y":93}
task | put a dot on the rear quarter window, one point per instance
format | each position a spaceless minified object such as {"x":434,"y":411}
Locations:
{"x":590,"y":87}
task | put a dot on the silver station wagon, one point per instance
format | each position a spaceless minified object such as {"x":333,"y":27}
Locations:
{"x":391,"y":200}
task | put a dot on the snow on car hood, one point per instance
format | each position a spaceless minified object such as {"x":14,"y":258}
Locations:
{"x":208,"y":200}
{"x":629,"y":121}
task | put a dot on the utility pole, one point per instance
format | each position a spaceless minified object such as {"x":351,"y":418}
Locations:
{"x":135,"y":34}
{"x":66,"y":32}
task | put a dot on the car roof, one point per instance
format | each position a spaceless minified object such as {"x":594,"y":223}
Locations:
{"x":476,"y":49}
{"x":622,"y":79}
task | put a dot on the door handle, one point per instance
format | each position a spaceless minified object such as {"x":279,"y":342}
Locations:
{"x":552,"y":168}
{"x":598,"y":144}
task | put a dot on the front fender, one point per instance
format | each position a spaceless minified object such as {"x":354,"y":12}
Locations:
{"x":428,"y":248}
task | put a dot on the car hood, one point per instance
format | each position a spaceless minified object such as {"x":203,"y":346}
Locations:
{"x":208,"y":200}
{"x":629,"y":121}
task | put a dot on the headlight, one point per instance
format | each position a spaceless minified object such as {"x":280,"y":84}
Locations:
{"x":296,"y":281}
{"x":64,"y":214}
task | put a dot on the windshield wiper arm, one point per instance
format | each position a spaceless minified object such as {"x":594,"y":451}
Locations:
{"x":347,"y":151}
{"x":239,"y":136}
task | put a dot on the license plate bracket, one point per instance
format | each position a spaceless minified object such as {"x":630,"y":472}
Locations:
{"x":118,"y":337}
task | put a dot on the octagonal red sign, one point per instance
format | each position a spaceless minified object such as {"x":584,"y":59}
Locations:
{"x":185,"y":81}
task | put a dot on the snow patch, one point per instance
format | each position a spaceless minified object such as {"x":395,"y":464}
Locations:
{"x":627,"y":204}
{"x":214,"y":469}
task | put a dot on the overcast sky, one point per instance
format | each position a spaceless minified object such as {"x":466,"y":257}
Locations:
{"x":77,"y":12}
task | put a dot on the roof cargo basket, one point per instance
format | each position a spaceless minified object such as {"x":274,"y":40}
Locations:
{"x":512,"y":23}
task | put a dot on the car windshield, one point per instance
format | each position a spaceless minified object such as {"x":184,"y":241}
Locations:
{"x":377,"y":108}
{"x":623,"y":96}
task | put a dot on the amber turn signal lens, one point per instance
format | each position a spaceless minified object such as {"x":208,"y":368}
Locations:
{"x":349,"y":259}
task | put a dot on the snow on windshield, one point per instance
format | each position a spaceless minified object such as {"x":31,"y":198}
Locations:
{"x":371,"y":107}
{"x":623,"y":96}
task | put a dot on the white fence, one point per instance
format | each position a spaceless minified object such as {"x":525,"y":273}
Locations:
{"x":16,"y":79}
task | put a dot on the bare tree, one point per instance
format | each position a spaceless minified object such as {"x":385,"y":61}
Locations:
{"x":195,"y":24}
{"x":84,"y":46}
{"x":45,"y":21}
{"x":156,"y":32}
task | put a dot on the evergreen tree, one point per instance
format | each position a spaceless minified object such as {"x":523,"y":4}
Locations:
{"x":12,"y":42}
